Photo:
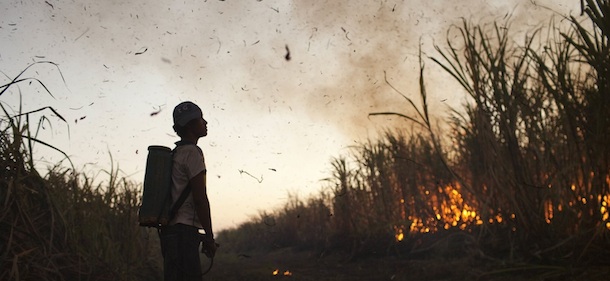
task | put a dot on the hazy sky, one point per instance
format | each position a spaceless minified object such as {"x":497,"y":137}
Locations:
{"x":278,"y":121}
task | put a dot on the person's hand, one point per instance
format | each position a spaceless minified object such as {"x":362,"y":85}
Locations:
{"x":209,"y":246}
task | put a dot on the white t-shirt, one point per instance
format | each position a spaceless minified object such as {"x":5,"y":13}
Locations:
{"x":188,"y":162}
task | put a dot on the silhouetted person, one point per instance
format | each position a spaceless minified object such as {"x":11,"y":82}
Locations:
{"x":180,"y":239}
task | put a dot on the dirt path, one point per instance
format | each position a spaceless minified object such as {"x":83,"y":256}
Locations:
{"x":300,"y":266}
{"x":287,"y":264}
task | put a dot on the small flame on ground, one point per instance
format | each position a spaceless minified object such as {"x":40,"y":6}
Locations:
{"x":277,"y":272}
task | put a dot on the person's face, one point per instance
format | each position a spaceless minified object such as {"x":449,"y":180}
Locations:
{"x":198,"y":127}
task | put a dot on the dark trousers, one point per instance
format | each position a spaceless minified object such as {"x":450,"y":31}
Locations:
{"x":180,"y":249}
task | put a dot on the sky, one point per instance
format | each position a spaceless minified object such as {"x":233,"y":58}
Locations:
{"x":286,"y":86}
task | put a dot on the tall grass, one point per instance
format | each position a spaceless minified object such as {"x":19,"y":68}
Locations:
{"x":63,"y":226}
{"x":524,"y":174}
{"x":533,"y":136}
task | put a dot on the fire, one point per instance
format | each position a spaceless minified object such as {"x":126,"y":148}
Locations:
{"x":277,"y":272}
{"x":605,"y":209}
{"x":399,"y":234}
{"x":548,"y":211}
{"x":453,"y":211}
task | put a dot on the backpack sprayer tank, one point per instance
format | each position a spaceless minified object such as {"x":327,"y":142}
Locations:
{"x":156,"y":199}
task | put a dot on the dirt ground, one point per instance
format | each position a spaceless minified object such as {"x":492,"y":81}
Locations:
{"x":300,"y":266}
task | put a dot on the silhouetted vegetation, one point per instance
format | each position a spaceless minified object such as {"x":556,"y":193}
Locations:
{"x":521,"y":175}
{"x":518,"y":178}
{"x":62,"y":226}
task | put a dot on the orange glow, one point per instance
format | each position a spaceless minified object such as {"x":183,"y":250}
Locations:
{"x":548,"y":211}
{"x":277,"y":272}
{"x":450,"y":209}
{"x":605,"y":209}
{"x":399,"y":234}
{"x":449,"y":212}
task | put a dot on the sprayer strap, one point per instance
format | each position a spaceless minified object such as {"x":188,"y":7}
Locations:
{"x":180,"y":201}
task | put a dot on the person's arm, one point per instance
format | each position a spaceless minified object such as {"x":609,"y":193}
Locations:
{"x":202,"y":203}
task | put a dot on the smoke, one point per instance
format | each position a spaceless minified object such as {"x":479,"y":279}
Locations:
{"x":341,"y":52}
{"x":367,"y":42}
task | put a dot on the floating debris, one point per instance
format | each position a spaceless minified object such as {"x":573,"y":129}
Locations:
{"x":287,"y":57}
{"x":141,"y":52}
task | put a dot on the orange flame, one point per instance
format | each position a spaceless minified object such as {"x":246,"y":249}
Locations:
{"x":399,"y":233}
{"x":453,"y":211}
{"x":277,"y":272}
